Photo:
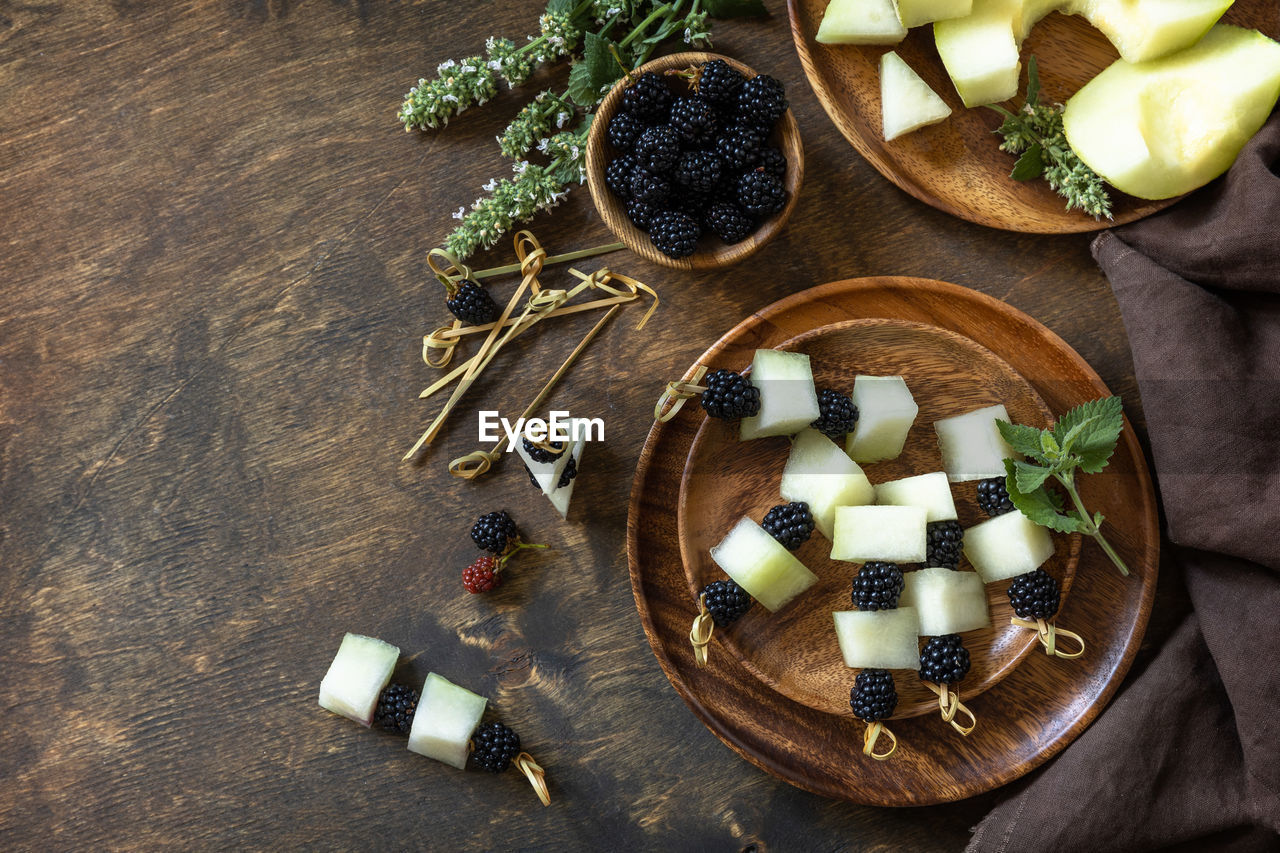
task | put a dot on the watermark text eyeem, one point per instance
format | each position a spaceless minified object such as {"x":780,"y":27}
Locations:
{"x":560,"y":428}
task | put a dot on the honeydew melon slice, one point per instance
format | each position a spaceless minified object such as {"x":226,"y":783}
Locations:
{"x":886,"y":411}
{"x":914,"y":13}
{"x":879,"y":639}
{"x":819,"y":473}
{"x":861,"y":22}
{"x":906,"y":101}
{"x":359,"y":672}
{"x":892,"y":533}
{"x":760,"y":565}
{"x":444,"y":721}
{"x":788,"y":400}
{"x":930,"y":492}
{"x":971,"y":444}
{"x":1007,"y":546}
{"x":948,"y":602}
{"x":560,"y":497}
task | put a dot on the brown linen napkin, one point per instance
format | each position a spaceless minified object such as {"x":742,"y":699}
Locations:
{"x":1187,"y":756}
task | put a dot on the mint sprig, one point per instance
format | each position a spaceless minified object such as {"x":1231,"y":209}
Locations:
{"x":1082,"y":440}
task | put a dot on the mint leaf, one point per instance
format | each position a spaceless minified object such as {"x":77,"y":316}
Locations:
{"x":1040,"y":505}
{"x":1029,"y":477}
{"x":560,"y":7}
{"x":1033,"y":82}
{"x":1100,"y":422}
{"x":1030,"y":164}
{"x":596,"y":69}
{"x":1049,"y":445}
{"x":1023,"y":439}
{"x":1069,"y":439}
{"x":734,"y":8}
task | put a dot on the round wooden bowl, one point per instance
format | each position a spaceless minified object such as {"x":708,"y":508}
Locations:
{"x":711,"y":252}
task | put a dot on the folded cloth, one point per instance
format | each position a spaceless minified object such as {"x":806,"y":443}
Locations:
{"x":1187,"y":756}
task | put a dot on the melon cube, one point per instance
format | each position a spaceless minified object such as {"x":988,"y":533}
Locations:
{"x":359,"y":672}
{"x":930,"y":492}
{"x":906,"y":101}
{"x":759,"y":564}
{"x":819,"y":473}
{"x":971,"y":444}
{"x":788,"y":400}
{"x":892,"y":533}
{"x":948,"y":602}
{"x":913,"y":13}
{"x":560,"y":496}
{"x":886,"y":411}
{"x":1007,"y":546}
{"x":879,"y":639}
{"x":861,"y":22}
{"x":444,"y":721}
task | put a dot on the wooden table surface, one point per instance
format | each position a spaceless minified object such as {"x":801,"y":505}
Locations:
{"x":215,"y":286}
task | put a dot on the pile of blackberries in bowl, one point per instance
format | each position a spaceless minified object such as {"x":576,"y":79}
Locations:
{"x":703,"y":158}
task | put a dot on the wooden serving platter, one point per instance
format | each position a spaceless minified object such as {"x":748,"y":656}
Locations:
{"x":957,"y":166}
{"x":1031,"y":713}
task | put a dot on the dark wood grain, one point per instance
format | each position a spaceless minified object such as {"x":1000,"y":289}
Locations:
{"x":1024,"y":719}
{"x":215,"y":290}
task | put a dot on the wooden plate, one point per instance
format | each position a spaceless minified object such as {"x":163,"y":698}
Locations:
{"x":1030,"y":715}
{"x":956,"y":166}
{"x":795,"y":651}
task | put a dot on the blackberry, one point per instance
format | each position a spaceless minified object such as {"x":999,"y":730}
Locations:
{"x":542,"y":454}
{"x":791,"y":524}
{"x":1034,"y":595}
{"x":495,"y":747}
{"x":395,"y":708}
{"x":566,"y":476}
{"x":658,"y":148}
{"x":617,"y":175}
{"x":739,"y":148}
{"x":726,"y":601}
{"x":494,"y":531}
{"x":649,"y":188}
{"x":698,"y":172}
{"x":944,"y":660}
{"x":623,"y":130}
{"x":943,"y":543}
{"x":694,"y":118}
{"x":472,"y":304}
{"x":727,"y":221}
{"x":837,"y":414}
{"x":877,"y":586}
{"x":760,"y":194}
{"x":873,"y":696}
{"x":674,"y":234}
{"x":761,"y":102}
{"x":648,"y":98}
{"x":730,"y":395}
{"x":482,"y":575}
{"x":718,"y":82}
{"x":774,"y":162}
{"x":640,"y":214}
{"x":693,"y":204}
{"x":993,"y":497}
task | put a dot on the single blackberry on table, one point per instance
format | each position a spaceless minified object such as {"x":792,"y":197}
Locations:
{"x":618,"y":174}
{"x":727,"y":221}
{"x":698,"y":172}
{"x":649,"y":188}
{"x":658,"y":148}
{"x":640,"y":214}
{"x":726,"y":601}
{"x":739,"y":148}
{"x":396,"y":705}
{"x":774,"y":162}
{"x":761,"y":102}
{"x":873,"y":696}
{"x":495,"y":747}
{"x":623,"y":130}
{"x":472,"y":304}
{"x":993,"y":497}
{"x":482,"y":575}
{"x":760,"y":194}
{"x":944,"y":660}
{"x":837,"y":414}
{"x":730,"y":395}
{"x":694,"y":118}
{"x":648,"y":98}
{"x":719,"y":83}
{"x":541,"y":454}
{"x":791,"y":524}
{"x":566,"y":477}
{"x":674,"y":234}
{"x":944,"y":541}
{"x":1034,"y":595}
{"x":494,"y":532}
{"x":877,"y":586}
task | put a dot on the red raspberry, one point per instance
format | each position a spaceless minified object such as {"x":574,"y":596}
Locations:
{"x":482,"y":575}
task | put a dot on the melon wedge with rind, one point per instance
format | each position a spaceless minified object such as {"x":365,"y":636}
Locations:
{"x":760,"y":565}
{"x":861,"y":22}
{"x":444,"y":721}
{"x":947,"y":601}
{"x":879,"y":639}
{"x":892,"y":533}
{"x":821,"y":475}
{"x":886,"y":411}
{"x":1007,"y":546}
{"x":788,"y":399}
{"x":357,"y":676}
{"x":971,"y":445}
{"x":906,"y":101}
{"x":931,"y":492}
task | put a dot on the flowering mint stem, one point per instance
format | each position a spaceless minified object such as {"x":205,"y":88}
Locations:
{"x":1068,"y":483}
